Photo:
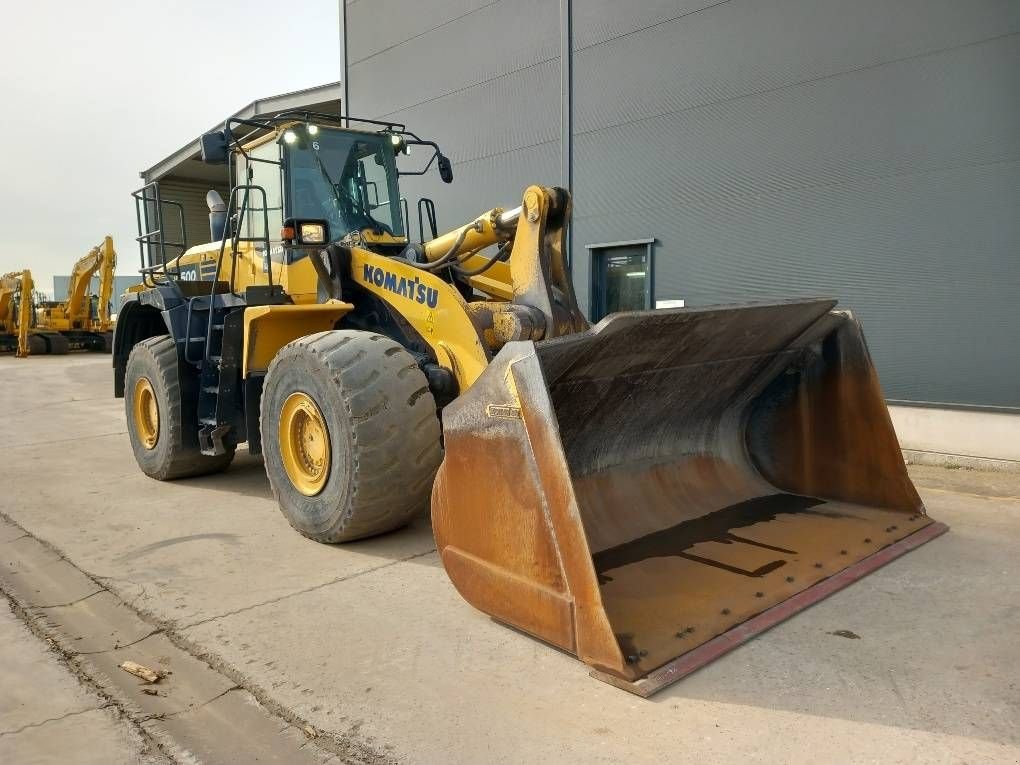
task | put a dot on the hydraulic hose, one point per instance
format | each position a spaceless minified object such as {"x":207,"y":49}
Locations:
{"x":489,"y":263}
{"x":444,"y":260}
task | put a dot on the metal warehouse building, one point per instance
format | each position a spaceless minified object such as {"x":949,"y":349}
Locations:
{"x":731,"y":151}
{"x":740,"y":150}
{"x":185,"y":179}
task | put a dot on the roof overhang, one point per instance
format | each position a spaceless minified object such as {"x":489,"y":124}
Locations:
{"x":186,"y":163}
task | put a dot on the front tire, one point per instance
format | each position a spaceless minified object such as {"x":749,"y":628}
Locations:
{"x":160,"y":396}
{"x":350,"y":435}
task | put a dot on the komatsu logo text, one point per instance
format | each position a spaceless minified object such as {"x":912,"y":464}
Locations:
{"x":412,"y":289}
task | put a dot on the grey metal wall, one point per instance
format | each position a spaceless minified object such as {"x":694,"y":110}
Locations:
{"x":867,"y":150}
{"x":191,"y":195}
{"x":480,"y":77}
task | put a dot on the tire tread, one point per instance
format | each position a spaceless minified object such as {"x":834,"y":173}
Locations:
{"x":395,"y":439}
{"x":183,"y":459}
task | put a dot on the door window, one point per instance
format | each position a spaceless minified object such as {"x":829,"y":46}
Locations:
{"x":621,"y":278}
{"x":264,"y":164}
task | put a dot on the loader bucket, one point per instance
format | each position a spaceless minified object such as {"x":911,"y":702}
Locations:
{"x":655,"y":490}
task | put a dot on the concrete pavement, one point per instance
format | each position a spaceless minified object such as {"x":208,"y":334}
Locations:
{"x":370,"y":645}
{"x":48,"y":715}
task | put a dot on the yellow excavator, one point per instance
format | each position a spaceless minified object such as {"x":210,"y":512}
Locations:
{"x":645,"y":493}
{"x":82,"y":320}
{"x":16,"y":290}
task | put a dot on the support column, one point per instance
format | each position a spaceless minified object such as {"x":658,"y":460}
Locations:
{"x":566,"y":111}
{"x":345,"y":98}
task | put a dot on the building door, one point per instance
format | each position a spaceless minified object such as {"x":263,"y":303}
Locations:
{"x":621,"y":278}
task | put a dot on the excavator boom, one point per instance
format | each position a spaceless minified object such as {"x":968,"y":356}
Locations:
{"x":82,"y":320}
{"x":16,"y":305}
{"x":76,"y":305}
{"x":107,"y":270}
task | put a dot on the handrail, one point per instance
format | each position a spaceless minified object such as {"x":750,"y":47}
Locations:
{"x":149,"y":237}
{"x":430,"y":211}
{"x":235,"y":222}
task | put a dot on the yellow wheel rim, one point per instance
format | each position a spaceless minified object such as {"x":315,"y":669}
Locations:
{"x":304,"y":444}
{"x":146,"y":413}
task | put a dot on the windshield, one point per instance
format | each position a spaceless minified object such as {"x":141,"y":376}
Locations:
{"x":348,"y":179}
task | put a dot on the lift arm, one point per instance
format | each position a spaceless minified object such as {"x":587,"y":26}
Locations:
{"x":529,"y":268}
{"x":526,"y":280}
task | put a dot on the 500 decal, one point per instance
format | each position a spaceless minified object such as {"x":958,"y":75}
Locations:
{"x":412,"y":289}
{"x":203,"y":271}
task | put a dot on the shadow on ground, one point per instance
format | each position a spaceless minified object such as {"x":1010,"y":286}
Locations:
{"x":246,"y":476}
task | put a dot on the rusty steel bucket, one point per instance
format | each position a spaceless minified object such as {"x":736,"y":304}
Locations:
{"x":656,"y":490}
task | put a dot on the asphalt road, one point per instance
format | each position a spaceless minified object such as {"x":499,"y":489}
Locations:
{"x":369,"y":646}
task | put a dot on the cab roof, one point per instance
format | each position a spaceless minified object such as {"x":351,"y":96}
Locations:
{"x":186,"y":162}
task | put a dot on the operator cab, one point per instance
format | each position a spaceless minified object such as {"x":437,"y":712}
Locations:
{"x":292,"y":184}
{"x":322,"y":183}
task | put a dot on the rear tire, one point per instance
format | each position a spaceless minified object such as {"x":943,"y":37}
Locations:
{"x":160,"y":396}
{"x":370,"y":398}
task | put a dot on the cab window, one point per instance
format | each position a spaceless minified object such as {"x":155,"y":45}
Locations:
{"x":346,"y":178}
{"x":263,"y":162}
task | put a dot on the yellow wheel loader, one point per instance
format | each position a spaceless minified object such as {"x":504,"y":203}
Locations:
{"x":646,"y":493}
{"x":82,"y":321}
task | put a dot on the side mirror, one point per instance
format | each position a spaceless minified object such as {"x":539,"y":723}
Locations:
{"x":305,"y":233}
{"x":215,"y":148}
{"x":445,"y":168}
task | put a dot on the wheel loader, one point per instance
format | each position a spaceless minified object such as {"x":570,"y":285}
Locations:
{"x":82,"y":320}
{"x":645,"y":493}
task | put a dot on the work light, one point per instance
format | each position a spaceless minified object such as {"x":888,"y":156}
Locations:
{"x":399,"y":144}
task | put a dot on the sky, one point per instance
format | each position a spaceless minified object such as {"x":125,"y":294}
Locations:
{"x":94,"y":92}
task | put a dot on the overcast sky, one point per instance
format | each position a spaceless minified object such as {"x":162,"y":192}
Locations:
{"x":94,"y":92}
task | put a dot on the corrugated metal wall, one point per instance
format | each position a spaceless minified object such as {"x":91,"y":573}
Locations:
{"x":867,"y":150}
{"x":481,"y":78}
{"x":196,"y":212}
